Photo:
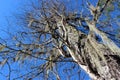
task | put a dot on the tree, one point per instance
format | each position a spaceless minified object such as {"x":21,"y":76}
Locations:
{"x":58,"y":34}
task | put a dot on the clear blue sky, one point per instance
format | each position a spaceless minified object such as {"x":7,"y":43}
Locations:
{"x":7,"y":8}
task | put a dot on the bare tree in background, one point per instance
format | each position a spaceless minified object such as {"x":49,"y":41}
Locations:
{"x":59,"y":34}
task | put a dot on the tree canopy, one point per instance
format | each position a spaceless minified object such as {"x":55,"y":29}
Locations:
{"x":62,"y":38}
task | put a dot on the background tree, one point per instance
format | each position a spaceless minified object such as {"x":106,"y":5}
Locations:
{"x":58,"y":32}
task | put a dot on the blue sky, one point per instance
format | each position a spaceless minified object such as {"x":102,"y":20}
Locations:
{"x":7,"y":8}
